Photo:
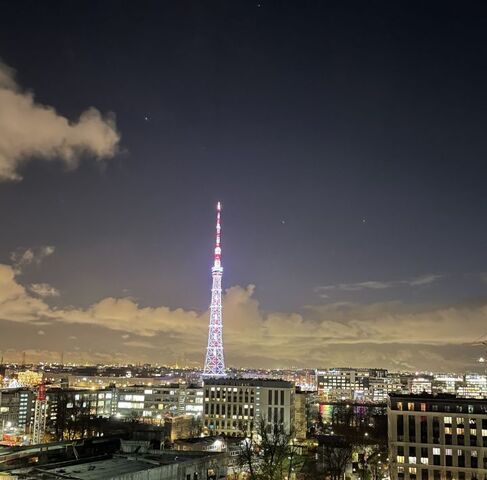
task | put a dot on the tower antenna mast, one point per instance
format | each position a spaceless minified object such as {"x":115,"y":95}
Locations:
{"x":215,"y":361}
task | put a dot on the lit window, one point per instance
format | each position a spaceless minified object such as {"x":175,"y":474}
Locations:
{"x":411,"y":406}
{"x":436,"y":451}
{"x":448,"y":451}
{"x":424,"y":460}
{"x":400,"y":459}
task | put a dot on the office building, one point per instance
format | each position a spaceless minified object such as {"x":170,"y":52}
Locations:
{"x":236,"y":406}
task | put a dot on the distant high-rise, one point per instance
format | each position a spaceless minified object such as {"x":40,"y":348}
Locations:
{"x":215,"y":361}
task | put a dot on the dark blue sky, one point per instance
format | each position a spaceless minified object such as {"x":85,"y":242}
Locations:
{"x":346,"y":141}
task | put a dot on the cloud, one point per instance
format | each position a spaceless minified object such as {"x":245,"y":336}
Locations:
{"x":424,"y":280}
{"x":389,"y":334}
{"x":35,"y":255}
{"x":31,"y":130}
{"x":44,"y":290}
{"x":377,"y":285}
{"x":139,"y":344}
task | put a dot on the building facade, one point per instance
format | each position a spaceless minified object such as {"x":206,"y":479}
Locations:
{"x":437,"y":437}
{"x":235,"y":407}
{"x":349,"y":383}
{"x":17,"y":408}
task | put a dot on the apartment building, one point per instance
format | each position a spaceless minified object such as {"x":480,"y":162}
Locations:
{"x":437,"y":437}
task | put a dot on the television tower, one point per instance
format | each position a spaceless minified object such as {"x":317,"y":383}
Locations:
{"x":214,"y":361}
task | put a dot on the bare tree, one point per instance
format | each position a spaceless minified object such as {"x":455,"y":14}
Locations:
{"x":334,"y":460}
{"x":268,"y":453}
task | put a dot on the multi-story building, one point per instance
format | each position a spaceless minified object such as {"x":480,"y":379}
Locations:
{"x":155,"y":402}
{"x":437,"y":437}
{"x":236,"y":406}
{"x":62,"y":403}
{"x":17,"y":408}
{"x":301,"y":406}
{"x":420,"y":384}
{"x":447,"y":383}
{"x":473,"y":386}
{"x":347,"y":383}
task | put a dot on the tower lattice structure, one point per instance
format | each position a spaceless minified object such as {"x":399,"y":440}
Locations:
{"x":215,"y":361}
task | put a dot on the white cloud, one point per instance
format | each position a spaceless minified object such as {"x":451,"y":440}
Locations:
{"x":34,"y":255}
{"x":44,"y":290}
{"x":31,"y":130}
{"x":386,"y":333}
{"x":424,"y":280}
{"x":378,"y":285}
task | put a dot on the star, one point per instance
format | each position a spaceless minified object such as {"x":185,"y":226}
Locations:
{"x":147,"y":118}
{"x":364,"y":220}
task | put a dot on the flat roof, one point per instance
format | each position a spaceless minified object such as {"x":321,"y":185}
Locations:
{"x":440,"y":397}
{"x":99,"y":470}
{"x":248,"y":382}
{"x":106,"y":468}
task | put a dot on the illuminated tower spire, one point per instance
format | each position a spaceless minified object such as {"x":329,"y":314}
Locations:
{"x":215,"y":362}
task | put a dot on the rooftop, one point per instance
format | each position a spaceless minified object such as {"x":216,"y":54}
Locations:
{"x":249,"y":382}
{"x":114,"y":467}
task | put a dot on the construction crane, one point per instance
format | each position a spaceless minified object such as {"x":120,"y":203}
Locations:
{"x":40,"y":415}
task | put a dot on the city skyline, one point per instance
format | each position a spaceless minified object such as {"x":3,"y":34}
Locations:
{"x":347,"y":148}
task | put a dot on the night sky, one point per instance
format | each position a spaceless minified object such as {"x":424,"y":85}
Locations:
{"x":346,"y":140}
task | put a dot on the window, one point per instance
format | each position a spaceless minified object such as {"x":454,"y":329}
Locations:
{"x":400,"y":459}
{"x":411,"y":406}
{"x":400,"y":428}
{"x":436,"y":451}
{"x":436,"y":430}
{"x":447,"y":421}
{"x":412,"y":428}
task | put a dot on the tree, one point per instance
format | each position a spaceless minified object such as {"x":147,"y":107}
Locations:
{"x":196,"y":427}
{"x":335,"y":459}
{"x":268,"y":453}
